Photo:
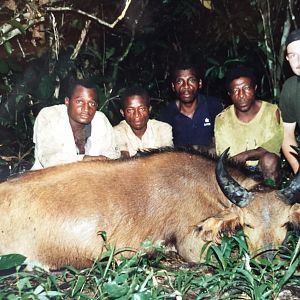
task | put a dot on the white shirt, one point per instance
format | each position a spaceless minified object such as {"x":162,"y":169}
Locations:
{"x":158,"y":134}
{"x":54,"y":140}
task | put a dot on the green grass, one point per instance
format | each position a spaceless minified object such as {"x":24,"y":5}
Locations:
{"x":227,"y":273}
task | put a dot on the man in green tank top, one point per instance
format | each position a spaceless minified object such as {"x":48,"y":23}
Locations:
{"x":252,"y":128}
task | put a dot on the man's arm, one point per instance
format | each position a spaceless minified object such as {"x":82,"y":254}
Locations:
{"x":220,"y":140}
{"x":53,"y":146}
{"x":102,"y":140}
{"x":254,"y":154}
{"x":166,"y":135}
{"x":288,"y":140}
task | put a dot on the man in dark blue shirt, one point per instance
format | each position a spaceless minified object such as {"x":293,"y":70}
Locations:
{"x":191,"y":115}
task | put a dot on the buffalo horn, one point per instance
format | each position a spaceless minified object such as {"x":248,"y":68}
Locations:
{"x":231,"y":189}
{"x":292,"y":192}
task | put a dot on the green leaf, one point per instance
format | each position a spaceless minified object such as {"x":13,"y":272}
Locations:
{"x":147,"y":244}
{"x":11,"y":260}
{"x":121,"y":278}
{"x":19,"y":98}
{"x":219,"y":255}
{"x":14,"y":65}
{"x":79,"y":284}
{"x":8,"y":47}
{"x":109,"y":52}
{"x":12,"y":297}
{"x":142,"y":296}
{"x":114,"y":290}
{"x":247,"y":275}
{"x":39,"y":289}
{"x":46,"y":87}
{"x":206,"y":3}
{"x":17,"y":25}
{"x":103,"y":235}
{"x":4,"y":68}
{"x":288,"y":274}
{"x":23,"y":282}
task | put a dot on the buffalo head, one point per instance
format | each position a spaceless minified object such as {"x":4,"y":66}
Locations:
{"x":263,"y":214}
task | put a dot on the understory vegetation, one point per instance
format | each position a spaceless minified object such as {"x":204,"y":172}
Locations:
{"x":227,"y":273}
{"x":125,"y":42}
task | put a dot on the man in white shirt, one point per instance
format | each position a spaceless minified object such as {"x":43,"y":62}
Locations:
{"x":137,"y":131}
{"x":73,"y":131}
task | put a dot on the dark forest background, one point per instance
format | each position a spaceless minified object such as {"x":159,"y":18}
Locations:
{"x":125,"y":42}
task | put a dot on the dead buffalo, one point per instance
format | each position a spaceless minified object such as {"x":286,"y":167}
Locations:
{"x":54,"y":216}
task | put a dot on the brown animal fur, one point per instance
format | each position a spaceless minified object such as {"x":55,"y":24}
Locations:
{"x":52,"y":216}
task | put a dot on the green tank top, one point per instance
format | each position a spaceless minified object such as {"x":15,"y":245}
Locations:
{"x":262,"y":131}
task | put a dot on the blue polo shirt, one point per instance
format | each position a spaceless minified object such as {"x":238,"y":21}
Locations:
{"x":198,"y":130}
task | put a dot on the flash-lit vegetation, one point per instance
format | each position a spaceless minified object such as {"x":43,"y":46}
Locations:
{"x":126,"y":42}
{"x":227,"y":273}
{"x":43,"y":41}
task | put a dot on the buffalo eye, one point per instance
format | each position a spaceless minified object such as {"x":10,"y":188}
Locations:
{"x":286,"y":224}
{"x":249,"y":226}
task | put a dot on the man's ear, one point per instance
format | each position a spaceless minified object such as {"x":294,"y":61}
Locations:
{"x":122,"y":112}
{"x":67,"y":101}
{"x":200,"y":84}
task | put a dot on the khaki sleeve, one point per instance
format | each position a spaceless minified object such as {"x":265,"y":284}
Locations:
{"x":167,"y":136}
{"x":104,"y":139}
{"x":274,"y":143}
{"x":220,"y":136}
{"x":120,"y":137}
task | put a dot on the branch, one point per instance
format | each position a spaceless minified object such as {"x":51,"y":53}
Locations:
{"x":290,"y":4}
{"x":81,"y":39}
{"x":55,"y":44}
{"x":10,"y":31}
{"x":100,"y":21}
{"x":126,"y":50}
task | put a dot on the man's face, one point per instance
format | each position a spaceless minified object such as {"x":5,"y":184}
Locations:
{"x":136,"y":112}
{"x":242,"y":93}
{"x":293,"y":56}
{"x":82,"y":106}
{"x":186,"y":85}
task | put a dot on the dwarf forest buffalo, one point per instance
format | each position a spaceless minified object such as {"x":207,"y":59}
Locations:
{"x":54,"y":216}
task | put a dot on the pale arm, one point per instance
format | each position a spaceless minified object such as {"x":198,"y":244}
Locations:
{"x":167,"y":136}
{"x":288,"y":140}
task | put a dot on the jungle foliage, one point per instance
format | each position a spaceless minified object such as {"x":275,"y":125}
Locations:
{"x":120,"y":43}
{"x":227,"y":273}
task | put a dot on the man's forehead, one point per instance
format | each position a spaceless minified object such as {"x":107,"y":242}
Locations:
{"x":135,"y":101}
{"x":293,"y":47}
{"x":241,"y":81}
{"x":185,"y":73}
{"x":81,"y":90}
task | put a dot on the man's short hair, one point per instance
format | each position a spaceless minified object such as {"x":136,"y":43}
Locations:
{"x":237,"y":72}
{"x":292,"y":37}
{"x":72,"y":83}
{"x":135,"y":91}
{"x":185,"y":64}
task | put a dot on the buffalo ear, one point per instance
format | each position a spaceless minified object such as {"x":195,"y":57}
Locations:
{"x":228,"y":221}
{"x":295,"y":215}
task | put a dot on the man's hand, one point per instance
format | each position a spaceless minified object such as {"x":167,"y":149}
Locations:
{"x":241,"y":157}
{"x":255,"y":154}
